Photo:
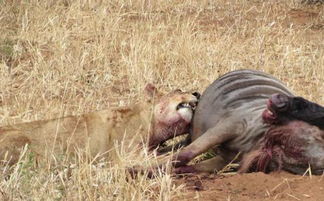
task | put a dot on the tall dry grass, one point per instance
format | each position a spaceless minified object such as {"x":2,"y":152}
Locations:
{"x":69,"y":57}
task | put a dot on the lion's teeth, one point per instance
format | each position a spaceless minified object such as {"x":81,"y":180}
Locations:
{"x":188,"y":105}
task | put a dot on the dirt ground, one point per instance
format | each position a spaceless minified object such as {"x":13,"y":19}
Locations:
{"x":253,"y":186}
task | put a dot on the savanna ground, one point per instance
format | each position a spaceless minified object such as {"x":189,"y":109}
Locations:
{"x":70,"y":57}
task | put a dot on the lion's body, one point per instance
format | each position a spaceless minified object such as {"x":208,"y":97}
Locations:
{"x":97,"y":133}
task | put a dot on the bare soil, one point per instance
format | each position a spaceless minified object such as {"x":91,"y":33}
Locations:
{"x":253,"y":186}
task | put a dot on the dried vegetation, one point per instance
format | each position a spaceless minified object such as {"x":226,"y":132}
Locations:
{"x":69,"y":57}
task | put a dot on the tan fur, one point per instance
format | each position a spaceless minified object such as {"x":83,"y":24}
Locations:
{"x":98,"y":131}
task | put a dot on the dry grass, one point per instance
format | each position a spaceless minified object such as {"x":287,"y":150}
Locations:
{"x":70,"y":57}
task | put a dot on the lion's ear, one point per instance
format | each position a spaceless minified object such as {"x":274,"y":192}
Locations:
{"x":151,"y":91}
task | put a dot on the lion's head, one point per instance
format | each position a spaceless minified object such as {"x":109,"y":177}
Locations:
{"x":172,"y":114}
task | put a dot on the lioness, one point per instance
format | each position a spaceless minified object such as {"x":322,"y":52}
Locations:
{"x":157,"y":120}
